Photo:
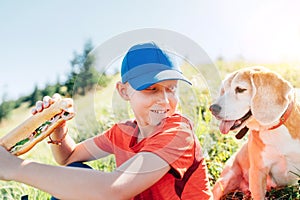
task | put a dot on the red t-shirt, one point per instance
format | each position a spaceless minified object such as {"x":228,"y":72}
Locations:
{"x":175,"y":142}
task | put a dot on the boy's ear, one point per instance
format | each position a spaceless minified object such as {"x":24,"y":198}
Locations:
{"x":122,"y":90}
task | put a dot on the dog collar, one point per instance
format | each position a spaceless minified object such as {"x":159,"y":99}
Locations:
{"x":284,"y":117}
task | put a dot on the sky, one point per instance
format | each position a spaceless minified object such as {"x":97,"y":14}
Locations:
{"x":38,"y":38}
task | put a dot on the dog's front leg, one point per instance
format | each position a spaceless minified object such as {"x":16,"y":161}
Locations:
{"x":257,"y":172}
{"x":257,"y":183}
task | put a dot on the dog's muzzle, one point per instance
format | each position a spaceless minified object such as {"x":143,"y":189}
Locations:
{"x":229,"y":125}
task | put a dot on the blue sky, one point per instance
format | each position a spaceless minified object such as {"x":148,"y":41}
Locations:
{"x":38,"y":38}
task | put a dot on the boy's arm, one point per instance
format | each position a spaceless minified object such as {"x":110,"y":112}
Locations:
{"x":68,"y":151}
{"x":134,"y":176}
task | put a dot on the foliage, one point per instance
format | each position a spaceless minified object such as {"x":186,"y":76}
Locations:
{"x":83,"y":75}
{"x":12,"y":191}
{"x":289,"y":71}
{"x":290,"y":192}
{"x":5,"y":108}
{"x":35,"y":96}
{"x":107,"y":164}
{"x":50,"y":89}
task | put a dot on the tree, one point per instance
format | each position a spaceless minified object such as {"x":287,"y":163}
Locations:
{"x":49,"y":90}
{"x":83,"y":75}
{"x":5,"y":107}
{"x":35,"y":96}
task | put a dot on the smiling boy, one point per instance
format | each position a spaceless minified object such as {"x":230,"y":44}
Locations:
{"x":157,"y":154}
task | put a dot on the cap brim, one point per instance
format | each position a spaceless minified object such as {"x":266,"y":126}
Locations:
{"x":145,"y":80}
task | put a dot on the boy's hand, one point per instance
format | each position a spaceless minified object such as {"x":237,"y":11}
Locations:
{"x":47,"y":102}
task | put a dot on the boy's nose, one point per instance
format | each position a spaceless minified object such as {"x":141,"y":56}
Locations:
{"x":163,"y":97}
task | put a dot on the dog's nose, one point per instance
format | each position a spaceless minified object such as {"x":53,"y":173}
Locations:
{"x":215,"y":109}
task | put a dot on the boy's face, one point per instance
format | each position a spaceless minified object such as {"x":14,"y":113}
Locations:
{"x":154,"y":103}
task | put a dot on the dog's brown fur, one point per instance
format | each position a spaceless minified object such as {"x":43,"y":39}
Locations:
{"x":270,"y":155}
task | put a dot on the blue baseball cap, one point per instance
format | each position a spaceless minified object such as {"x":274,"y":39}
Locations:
{"x":146,"y":64}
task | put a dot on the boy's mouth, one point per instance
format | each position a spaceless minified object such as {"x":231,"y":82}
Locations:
{"x":160,"y":111}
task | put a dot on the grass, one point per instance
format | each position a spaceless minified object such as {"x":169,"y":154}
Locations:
{"x":99,"y":109}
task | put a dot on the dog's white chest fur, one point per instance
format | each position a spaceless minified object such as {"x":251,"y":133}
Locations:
{"x":281,"y":154}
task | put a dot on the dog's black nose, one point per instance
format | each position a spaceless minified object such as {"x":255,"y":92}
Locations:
{"x":215,"y":109}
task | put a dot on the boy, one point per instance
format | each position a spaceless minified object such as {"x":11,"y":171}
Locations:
{"x":157,"y":154}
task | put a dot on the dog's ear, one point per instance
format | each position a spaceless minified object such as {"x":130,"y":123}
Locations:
{"x":270,"y":97}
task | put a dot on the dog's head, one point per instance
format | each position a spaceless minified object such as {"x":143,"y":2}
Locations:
{"x":249,"y":94}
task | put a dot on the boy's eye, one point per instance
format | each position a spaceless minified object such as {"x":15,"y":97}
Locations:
{"x":172,"y":88}
{"x":151,"y":88}
{"x":157,"y":88}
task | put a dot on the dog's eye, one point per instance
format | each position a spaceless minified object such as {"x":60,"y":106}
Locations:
{"x":222,"y":91}
{"x":240,"y":90}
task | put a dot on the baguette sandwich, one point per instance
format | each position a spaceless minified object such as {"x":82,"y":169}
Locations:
{"x":37,"y":127}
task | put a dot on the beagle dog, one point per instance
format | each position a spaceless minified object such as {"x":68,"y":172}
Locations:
{"x":261,"y":102}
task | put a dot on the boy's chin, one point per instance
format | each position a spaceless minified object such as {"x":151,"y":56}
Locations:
{"x":156,"y":120}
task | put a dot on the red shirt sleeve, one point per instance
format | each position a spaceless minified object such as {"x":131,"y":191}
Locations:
{"x":103,"y":141}
{"x":117,"y":140}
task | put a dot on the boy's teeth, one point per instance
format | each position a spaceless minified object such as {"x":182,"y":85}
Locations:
{"x":159,"y":111}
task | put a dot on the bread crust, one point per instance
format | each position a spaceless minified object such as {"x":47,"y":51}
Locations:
{"x":29,"y":126}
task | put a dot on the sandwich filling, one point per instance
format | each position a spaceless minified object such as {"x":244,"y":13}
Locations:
{"x":42,"y":128}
